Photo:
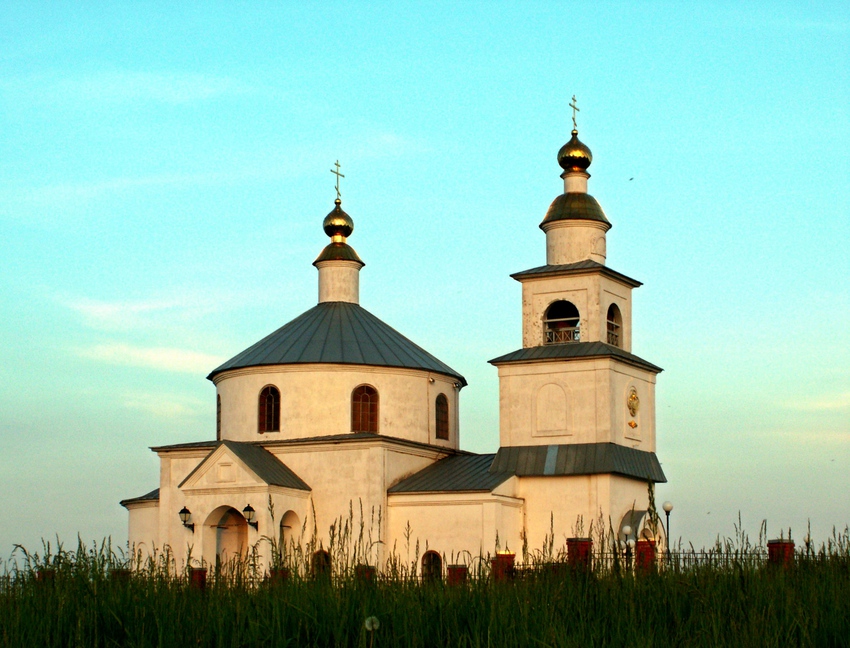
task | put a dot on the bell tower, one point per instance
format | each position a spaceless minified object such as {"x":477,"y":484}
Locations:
{"x":575,"y":400}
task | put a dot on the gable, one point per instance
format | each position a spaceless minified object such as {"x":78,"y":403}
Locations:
{"x":234,"y":465}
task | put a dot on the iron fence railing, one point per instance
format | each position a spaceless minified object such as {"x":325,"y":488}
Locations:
{"x":562,"y":335}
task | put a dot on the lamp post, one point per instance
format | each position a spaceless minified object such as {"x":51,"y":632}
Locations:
{"x":249,"y":514}
{"x":668,"y":507}
{"x":185,"y":515}
{"x":629,"y":542}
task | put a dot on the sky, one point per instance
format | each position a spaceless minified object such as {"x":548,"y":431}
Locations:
{"x":165,"y":168}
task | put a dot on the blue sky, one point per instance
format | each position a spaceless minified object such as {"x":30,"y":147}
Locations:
{"x":164,"y":173}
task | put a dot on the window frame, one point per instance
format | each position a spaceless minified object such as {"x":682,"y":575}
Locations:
{"x":431,"y":571}
{"x":441,"y":431}
{"x":321,"y":564}
{"x":359,"y":396}
{"x":263,"y":407}
{"x":218,"y":417}
{"x":561,"y":330}
{"x":614,"y":326}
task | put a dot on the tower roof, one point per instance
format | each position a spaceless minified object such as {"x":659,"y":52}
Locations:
{"x":337,"y":333}
{"x":574,"y":351}
{"x":338,"y":251}
{"x":575,"y":206}
{"x":585,"y":267}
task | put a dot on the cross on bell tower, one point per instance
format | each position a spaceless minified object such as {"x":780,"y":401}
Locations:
{"x":339,"y":175}
{"x":575,"y":110}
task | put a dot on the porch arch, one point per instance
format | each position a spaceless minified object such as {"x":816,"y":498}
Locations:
{"x":225,"y":535}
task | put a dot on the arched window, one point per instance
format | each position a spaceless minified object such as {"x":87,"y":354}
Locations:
{"x":269,"y":410}
{"x":364,"y":409}
{"x":615,"y":326}
{"x":320,"y":563}
{"x":290,"y":531}
{"x":432,"y":566}
{"x":561,"y":324}
{"x":218,"y":418}
{"x":442,"y":414}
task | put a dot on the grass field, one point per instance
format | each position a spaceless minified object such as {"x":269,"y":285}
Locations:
{"x":726,"y":596}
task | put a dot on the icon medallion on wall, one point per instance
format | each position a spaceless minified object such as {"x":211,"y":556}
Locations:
{"x":633,"y":403}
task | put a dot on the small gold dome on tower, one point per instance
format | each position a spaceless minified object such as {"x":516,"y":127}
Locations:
{"x":574,"y":155}
{"x":338,"y":223}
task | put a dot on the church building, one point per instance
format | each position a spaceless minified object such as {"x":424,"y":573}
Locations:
{"x":337,"y":411}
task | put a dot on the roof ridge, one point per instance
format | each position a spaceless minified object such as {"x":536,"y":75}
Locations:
{"x":351,"y":323}
{"x":304,"y":322}
{"x":326,"y":315}
{"x":389,"y":345}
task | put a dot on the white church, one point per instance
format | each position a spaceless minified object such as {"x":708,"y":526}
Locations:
{"x":337,"y":410}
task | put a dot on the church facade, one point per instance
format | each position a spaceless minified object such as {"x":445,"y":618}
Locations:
{"x":336,"y":411}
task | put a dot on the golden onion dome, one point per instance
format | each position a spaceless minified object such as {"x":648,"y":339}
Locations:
{"x":338,"y":223}
{"x":574,"y":155}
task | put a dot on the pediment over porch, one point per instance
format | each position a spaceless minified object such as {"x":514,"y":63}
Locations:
{"x":241,"y":465}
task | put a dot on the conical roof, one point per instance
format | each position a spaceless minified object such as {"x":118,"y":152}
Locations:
{"x":338,"y":333}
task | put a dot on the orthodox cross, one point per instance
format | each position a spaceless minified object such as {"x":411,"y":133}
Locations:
{"x":575,"y":110}
{"x":338,"y":176}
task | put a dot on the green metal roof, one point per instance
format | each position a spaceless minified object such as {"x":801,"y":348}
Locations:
{"x":575,"y":206}
{"x":461,"y":473}
{"x":575,"y":350}
{"x":153,"y":496}
{"x":338,"y":333}
{"x":578,"y":459}
{"x":345,"y":438}
{"x":484,"y":472}
{"x":580,"y":267}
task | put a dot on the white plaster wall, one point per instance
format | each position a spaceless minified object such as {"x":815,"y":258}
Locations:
{"x":173,"y":469}
{"x":345,"y":474}
{"x":575,"y":181}
{"x":143,"y":525}
{"x":339,"y":281}
{"x":591,"y":293}
{"x":623,"y":379}
{"x":565,"y":503}
{"x":316,"y":401}
{"x":569,"y":241}
{"x":453,"y":523}
{"x":596,"y":392}
{"x":613,"y":292}
{"x":342,"y":476}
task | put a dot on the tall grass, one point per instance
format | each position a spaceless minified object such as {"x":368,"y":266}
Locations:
{"x":724,"y":596}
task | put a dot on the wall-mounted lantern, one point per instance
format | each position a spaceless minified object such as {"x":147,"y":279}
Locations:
{"x":250,"y":514}
{"x":186,"y":515}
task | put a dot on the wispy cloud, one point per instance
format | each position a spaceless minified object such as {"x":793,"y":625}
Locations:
{"x":822,"y":403}
{"x":123,"y":86}
{"x":74,"y":193}
{"x":165,"y":405}
{"x":161,"y":313}
{"x":161,"y":358}
{"x":813,"y":438}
